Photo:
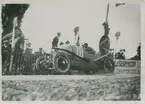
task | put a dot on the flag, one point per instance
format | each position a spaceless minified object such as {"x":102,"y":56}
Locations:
{"x":118,"y":4}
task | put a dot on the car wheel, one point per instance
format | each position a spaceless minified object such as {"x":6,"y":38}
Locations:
{"x":62,"y":63}
{"x":109,"y":65}
{"x":40,"y":67}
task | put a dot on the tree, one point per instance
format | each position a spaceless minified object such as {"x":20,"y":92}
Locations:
{"x":9,"y":12}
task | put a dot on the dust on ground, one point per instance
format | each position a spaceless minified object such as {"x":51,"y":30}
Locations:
{"x":70,"y":90}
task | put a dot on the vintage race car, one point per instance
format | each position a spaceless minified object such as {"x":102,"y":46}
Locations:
{"x":66,"y":58}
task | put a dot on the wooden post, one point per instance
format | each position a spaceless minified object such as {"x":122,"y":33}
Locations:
{"x":13,"y":44}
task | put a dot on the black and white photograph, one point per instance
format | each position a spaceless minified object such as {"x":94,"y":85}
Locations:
{"x":96,"y":41}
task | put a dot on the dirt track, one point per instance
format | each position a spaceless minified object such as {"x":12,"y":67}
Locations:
{"x":103,"y":88}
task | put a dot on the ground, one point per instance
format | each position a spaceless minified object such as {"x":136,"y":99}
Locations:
{"x":101,"y":87}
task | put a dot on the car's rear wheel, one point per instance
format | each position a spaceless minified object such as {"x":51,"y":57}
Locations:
{"x":108,"y":65}
{"x":62,"y":63}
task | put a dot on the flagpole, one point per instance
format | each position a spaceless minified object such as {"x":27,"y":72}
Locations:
{"x":107,"y":13}
{"x":13,"y":44}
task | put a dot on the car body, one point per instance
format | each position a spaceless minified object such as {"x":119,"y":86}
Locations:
{"x":71,"y":57}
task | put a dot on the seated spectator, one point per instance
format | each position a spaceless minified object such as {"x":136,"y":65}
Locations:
{"x":67,"y":42}
{"x":61,"y":43}
{"x":121,"y":54}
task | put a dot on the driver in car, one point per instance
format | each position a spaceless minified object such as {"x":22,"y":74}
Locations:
{"x":88,"y":49}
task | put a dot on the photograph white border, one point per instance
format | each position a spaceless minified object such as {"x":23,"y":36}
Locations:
{"x":75,"y":76}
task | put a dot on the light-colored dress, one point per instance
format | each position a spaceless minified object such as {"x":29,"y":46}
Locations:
{"x":77,"y":39}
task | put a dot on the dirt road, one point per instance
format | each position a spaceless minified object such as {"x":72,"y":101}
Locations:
{"x":82,"y":88}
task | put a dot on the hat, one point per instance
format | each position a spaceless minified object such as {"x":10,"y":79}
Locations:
{"x":76,"y":29}
{"x":85,"y":44}
{"x":58,"y":33}
{"x":6,"y":41}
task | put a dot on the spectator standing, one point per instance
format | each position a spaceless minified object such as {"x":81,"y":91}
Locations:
{"x":28,"y":59}
{"x":6,"y":53}
{"x":56,"y":40}
{"x":139,"y":51}
{"x":104,"y":44}
{"x":28,"y":49}
{"x":77,"y":37}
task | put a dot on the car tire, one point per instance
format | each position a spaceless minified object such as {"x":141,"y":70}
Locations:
{"x":108,"y":65}
{"x":40,"y":68}
{"x":62,"y":63}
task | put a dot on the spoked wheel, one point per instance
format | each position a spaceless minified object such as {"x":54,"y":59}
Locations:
{"x":62,"y":63}
{"x":109,"y":65}
{"x":42,"y":66}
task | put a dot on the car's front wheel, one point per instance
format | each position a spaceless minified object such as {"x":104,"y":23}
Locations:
{"x":41,"y":66}
{"x":62,"y":63}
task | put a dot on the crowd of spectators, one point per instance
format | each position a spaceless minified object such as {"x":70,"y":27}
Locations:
{"x":120,"y":54}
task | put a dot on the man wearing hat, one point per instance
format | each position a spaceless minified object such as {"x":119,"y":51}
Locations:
{"x":56,"y":40}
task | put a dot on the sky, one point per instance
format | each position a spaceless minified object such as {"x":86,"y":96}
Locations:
{"x":43,"y":20}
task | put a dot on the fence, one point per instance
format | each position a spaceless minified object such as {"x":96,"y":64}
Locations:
{"x":22,"y":63}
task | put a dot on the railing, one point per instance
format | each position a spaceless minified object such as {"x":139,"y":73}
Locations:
{"x":22,"y":63}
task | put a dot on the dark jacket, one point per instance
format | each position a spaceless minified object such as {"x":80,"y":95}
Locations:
{"x":55,"y":42}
